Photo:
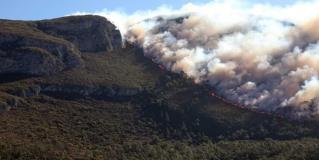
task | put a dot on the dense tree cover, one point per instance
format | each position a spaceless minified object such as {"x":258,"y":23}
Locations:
{"x":172,"y":118}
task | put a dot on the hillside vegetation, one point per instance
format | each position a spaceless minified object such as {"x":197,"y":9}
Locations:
{"x":120,"y":105}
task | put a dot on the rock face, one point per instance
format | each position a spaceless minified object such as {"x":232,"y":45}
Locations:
{"x":35,"y":56}
{"x":46,"y":47}
{"x":24,"y":92}
{"x":88,"y":33}
{"x":98,"y":92}
{"x":7,"y":102}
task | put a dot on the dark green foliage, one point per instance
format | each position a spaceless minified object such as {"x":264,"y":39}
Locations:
{"x":172,"y":118}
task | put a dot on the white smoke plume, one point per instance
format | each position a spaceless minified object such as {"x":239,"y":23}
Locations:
{"x":261,"y":56}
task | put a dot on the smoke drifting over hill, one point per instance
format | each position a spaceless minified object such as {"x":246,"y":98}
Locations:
{"x":261,"y":56}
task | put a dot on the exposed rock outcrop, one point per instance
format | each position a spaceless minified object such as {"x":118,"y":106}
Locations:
{"x":7,"y":102}
{"x":97,"y":92}
{"x":26,"y":50}
{"x":46,"y":47}
{"x":4,"y":107}
{"x":24,"y":92}
{"x":112,"y":92}
{"x":35,"y":56}
{"x":88,"y":33}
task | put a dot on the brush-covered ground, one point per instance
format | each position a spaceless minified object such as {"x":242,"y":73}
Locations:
{"x":120,"y":105}
{"x":171,"y":119}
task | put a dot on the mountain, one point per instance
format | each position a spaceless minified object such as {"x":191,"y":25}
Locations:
{"x":69,"y":90}
{"x":50,"y":46}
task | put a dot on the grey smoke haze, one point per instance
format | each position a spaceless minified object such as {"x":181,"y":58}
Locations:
{"x":262,"y":56}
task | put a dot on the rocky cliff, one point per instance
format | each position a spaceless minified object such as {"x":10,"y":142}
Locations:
{"x":88,"y":33}
{"x":50,"y":46}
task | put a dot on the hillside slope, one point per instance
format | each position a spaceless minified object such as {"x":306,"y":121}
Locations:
{"x":117,"y":104}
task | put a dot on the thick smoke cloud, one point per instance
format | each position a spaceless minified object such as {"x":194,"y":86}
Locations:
{"x":261,"y":56}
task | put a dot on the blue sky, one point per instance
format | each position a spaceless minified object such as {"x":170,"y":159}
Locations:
{"x":42,"y":9}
